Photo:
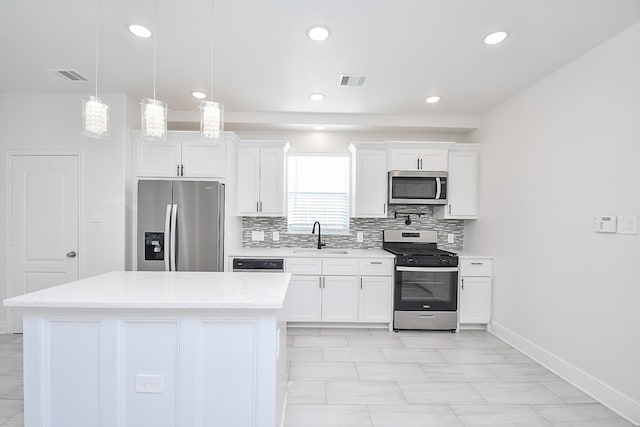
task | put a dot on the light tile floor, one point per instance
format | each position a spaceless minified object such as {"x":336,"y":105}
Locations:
{"x":375,"y":378}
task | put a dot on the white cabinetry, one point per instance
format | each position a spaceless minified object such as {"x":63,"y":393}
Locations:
{"x":347,"y":290}
{"x":261,"y":172}
{"x":462,"y":184}
{"x":475,"y":290}
{"x":427,"y":156}
{"x":182,"y":155}
{"x":369,"y":180}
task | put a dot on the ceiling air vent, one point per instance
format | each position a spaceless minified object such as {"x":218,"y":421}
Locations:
{"x":351,"y":80}
{"x":71,"y":75}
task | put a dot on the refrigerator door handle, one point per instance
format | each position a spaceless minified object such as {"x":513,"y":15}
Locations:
{"x":174,"y":215}
{"x":167,"y":234}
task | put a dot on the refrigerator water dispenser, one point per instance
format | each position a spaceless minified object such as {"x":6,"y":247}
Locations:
{"x":153,"y":246}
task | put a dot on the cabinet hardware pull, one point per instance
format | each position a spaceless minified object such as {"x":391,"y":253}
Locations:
{"x":181,"y":170}
{"x":257,"y":206}
{"x":462,"y":280}
{"x":320,"y":282}
{"x":477,"y":263}
{"x":449,"y":208}
{"x":418,"y":163}
{"x":384,"y":207}
{"x":376,"y":262}
{"x":260,"y":205}
{"x":177,"y":170}
{"x":361,"y":283}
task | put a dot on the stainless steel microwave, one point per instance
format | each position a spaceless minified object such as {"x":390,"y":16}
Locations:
{"x":417,"y":188}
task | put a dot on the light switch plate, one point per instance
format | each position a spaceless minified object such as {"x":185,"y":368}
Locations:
{"x":451,"y":238}
{"x":276,"y":236}
{"x":149,"y":383}
{"x":360,"y":236}
{"x":257,"y":236}
{"x":627,"y":224}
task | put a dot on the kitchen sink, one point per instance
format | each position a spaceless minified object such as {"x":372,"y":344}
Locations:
{"x":321,"y":251}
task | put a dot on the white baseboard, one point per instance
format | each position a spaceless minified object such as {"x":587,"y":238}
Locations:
{"x":605,"y":394}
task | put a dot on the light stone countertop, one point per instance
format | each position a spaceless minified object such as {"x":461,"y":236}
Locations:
{"x":473,"y":255}
{"x":309,"y":253}
{"x":168,"y":290}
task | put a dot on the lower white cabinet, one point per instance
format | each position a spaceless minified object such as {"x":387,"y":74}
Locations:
{"x":475,"y":290}
{"x":344,"y":292}
{"x":375,"y":299}
{"x":340,"y":298}
{"x":304,"y":299}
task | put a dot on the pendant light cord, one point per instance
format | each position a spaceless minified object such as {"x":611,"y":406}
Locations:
{"x":98,"y":40}
{"x":155,"y":42}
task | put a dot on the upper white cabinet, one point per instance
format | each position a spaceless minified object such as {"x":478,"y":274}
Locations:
{"x":428,"y":156}
{"x":182,"y":155}
{"x":369,"y":180}
{"x":462,"y":187}
{"x":261,"y":172}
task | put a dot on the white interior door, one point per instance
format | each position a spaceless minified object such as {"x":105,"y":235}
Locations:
{"x":43,"y":230}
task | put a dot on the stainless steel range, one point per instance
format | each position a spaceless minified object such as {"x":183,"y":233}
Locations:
{"x":425,"y":283}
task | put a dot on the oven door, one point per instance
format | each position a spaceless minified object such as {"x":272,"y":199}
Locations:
{"x":426,"y":288}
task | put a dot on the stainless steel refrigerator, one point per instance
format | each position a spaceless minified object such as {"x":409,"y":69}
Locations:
{"x":180,"y":225}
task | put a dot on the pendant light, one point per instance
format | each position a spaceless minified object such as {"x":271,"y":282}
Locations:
{"x":211,"y":113}
{"x":154,"y":112}
{"x":95,"y":112}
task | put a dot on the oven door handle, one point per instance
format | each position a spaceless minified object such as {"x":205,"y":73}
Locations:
{"x":429,"y":269}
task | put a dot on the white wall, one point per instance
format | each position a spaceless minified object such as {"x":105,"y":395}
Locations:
{"x":52,"y":122}
{"x":553,"y":156}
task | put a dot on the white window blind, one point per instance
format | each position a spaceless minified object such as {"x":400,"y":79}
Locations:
{"x":318,"y":190}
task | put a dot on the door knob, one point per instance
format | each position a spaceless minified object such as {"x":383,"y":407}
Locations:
{"x":71,"y":254}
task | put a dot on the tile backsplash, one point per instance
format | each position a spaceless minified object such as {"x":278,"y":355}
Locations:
{"x":371,"y":227}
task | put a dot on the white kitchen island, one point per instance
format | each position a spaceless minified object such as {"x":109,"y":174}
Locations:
{"x":156,"y":349}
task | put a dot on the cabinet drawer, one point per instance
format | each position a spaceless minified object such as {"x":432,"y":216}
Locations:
{"x":303,"y":266}
{"x":376,"y":267}
{"x":340,"y":266}
{"x":476,"y":267}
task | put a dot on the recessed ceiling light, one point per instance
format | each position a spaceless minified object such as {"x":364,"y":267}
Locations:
{"x":316,"y":97}
{"x":318,"y":128}
{"x":318,"y":33}
{"x":140,"y":31}
{"x":432,"y":99}
{"x":495,"y":38}
{"x":198,"y":95}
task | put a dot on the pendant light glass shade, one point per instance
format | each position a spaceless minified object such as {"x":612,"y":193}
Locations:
{"x":95,"y":118}
{"x":154,"y":119}
{"x":211,"y":119}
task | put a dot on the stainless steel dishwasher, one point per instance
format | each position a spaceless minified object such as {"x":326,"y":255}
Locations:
{"x":258,"y":265}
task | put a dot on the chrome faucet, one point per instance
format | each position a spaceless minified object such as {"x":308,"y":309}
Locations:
{"x":320,"y":244}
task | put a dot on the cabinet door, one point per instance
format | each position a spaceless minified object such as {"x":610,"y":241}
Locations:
{"x":370,"y":184}
{"x":340,"y":299}
{"x":157,"y":159}
{"x":404,"y":159}
{"x":303,"y":300}
{"x":272,"y":182}
{"x":203,"y":159}
{"x":375,"y":299}
{"x":475,"y":300}
{"x":433,"y":160}
{"x":248,"y":193}
{"x":462,"y":186}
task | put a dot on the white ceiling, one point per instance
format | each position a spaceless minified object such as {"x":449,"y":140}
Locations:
{"x":265,"y":64}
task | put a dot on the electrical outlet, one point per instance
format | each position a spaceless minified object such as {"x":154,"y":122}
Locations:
{"x":257,"y":236}
{"x":149,"y":383}
{"x":359,"y":236}
{"x":451,"y":238}
{"x":276,"y":236}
